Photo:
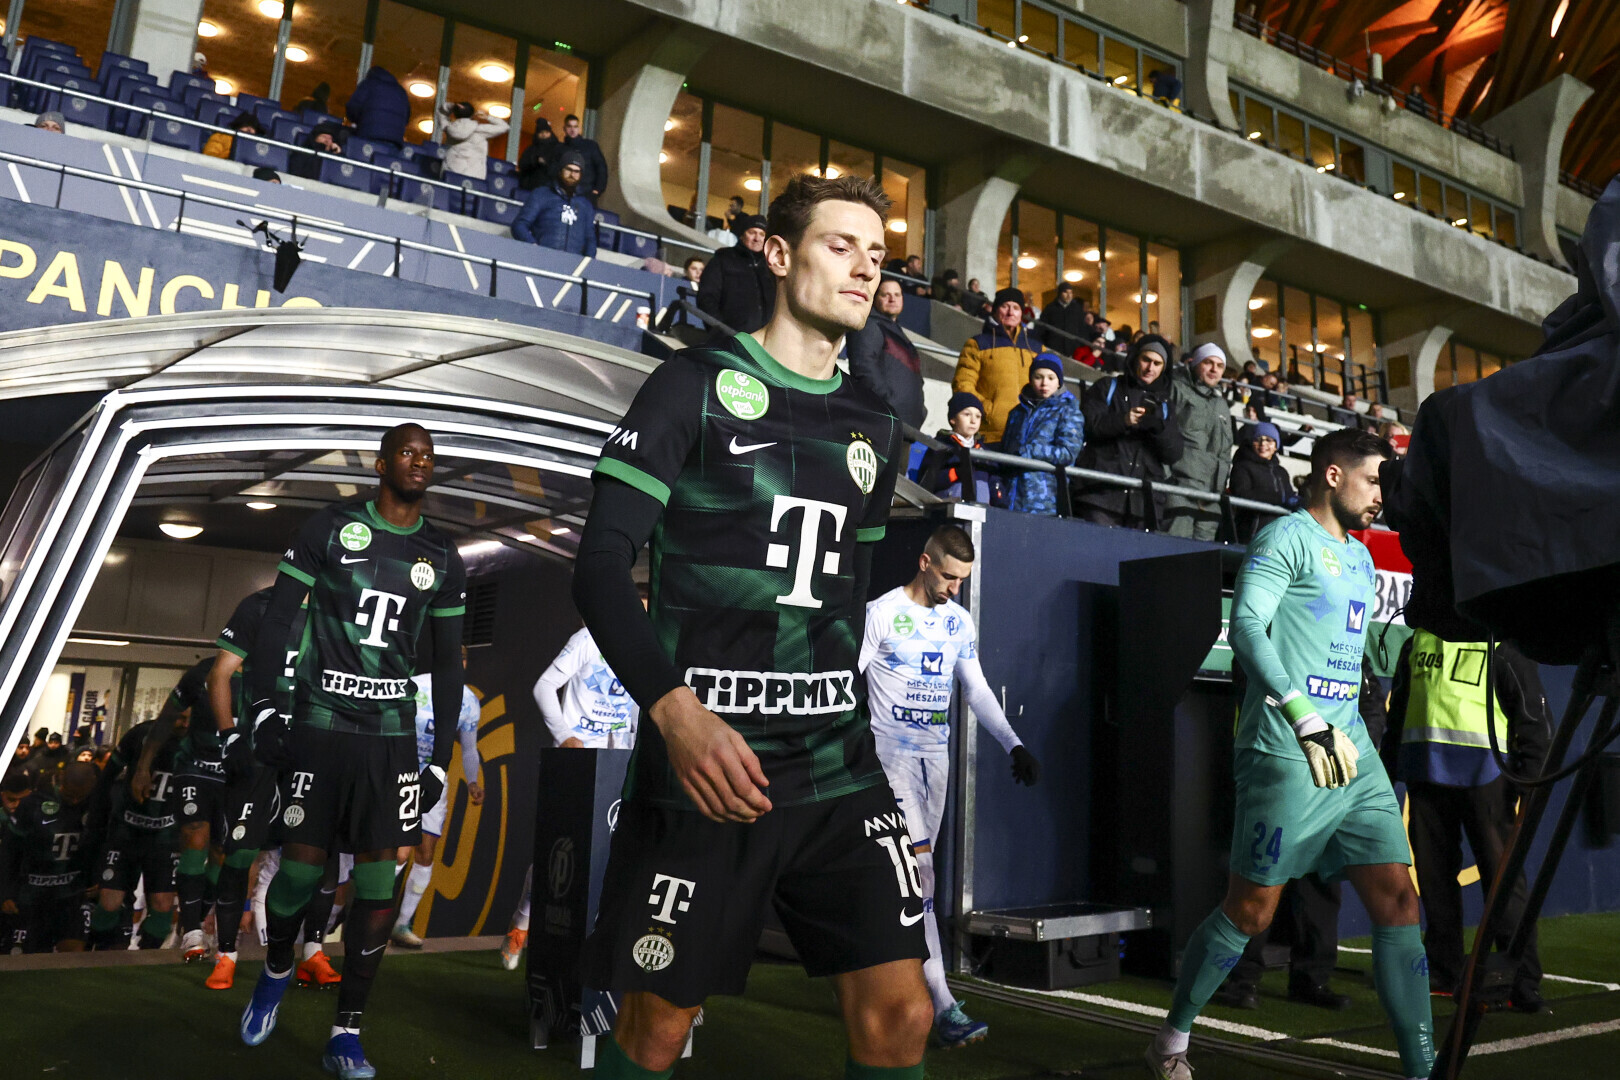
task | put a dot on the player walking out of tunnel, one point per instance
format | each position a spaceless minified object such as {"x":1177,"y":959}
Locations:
{"x":1311,"y":793}
{"x":762,"y":477}
{"x":378,"y":576}
{"x":919,"y":642}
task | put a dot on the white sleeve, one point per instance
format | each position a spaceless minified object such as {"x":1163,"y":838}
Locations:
{"x":545,"y":691}
{"x":469,"y":735}
{"x":986,"y":709}
{"x":873,"y":638}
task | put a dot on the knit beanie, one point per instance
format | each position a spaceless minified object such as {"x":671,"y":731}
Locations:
{"x":1051,"y":361}
{"x":963,"y":399}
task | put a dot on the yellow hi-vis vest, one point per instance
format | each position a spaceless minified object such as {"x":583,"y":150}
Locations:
{"x":1448,"y":694}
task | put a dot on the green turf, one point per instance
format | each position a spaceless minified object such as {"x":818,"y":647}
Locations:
{"x":459,"y":1015}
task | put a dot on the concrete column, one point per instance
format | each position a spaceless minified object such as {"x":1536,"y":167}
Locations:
{"x":1413,"y":339}
{"x":1204,"y":87}
{"x":1535,"y":127}
{"x":1226,"y":274}
{"x":976,"y":194}
{"x":164,"y":34}
{"x":640,"y":83}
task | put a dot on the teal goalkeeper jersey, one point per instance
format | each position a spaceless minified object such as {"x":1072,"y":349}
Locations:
{"x":1299,"y":620}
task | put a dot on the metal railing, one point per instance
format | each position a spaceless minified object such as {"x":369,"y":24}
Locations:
{"x":1575,"y":183}
{"x":398,"y":243}
{"x":1269,"y":34}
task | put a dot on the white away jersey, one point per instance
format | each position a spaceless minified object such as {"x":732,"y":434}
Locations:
{"x":466,"y":723}
{"x":596,"y":708}
{"x":910,"y":654}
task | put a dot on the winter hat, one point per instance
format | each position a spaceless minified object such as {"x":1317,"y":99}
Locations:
{"x":51,"y":117}
{"x":751,"y":221}
{"x":963,"y":399}
{"x":571,"y":157}
{"x":1051,"y":361}
{"x":1204,"y":352}
{"x":1152,"y":345}
{"x":1004,"y":295}
{"x":1263,"y":429}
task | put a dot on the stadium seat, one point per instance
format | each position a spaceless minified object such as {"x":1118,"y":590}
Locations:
{"x":194,"y":96}
{"x":257,"y":152}
{"x":123,"y":82}
{"x":180,"y":81}
{"x":176,"y":133}
{"x":157,"y":101}
{"x":641,"y":247}
{"x":289,"y":131}
{"x":364,"y":149}
{"x":501,"y":167}
{"x":606,"y":239}
{"x":71,"y":76}
{"x":249,"y":103}
{"x":502,"y":213}
{"x":112,"y":62}
{"x":465,"y":200}
{"x":416,"y":190}
{"x":83,"y":111}
{"x":345,"y":174}
{"x":315,"y":116}
{"x":267,"y":115}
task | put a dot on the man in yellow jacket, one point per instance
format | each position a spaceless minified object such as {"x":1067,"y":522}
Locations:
{"x":994,"y":365}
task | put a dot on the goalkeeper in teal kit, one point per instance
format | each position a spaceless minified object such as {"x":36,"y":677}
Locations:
{"x":1311,"y":793}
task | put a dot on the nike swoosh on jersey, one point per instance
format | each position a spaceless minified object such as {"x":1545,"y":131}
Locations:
{"x":346,"y":561}
{"x":910,"y":920}
{"x":739,"y":448}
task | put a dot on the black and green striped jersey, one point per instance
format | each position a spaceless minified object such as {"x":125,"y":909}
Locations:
{"x":372,"y":588}
{"x":769,"y":480}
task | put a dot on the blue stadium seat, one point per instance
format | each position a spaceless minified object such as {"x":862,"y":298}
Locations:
{"x":289,"y":131}
{"x":315,"y":116}
{"x":345,"y":174}
{"x":180,"y":81}
{"x":149,"y":97}
{"x":124,"y":81}
{"x":501,"y":213}
{"x":270,"y":117}
{"x":257,"y":152}
{"x":464,"y":201}
{"x":194,"y":96}
{"x":363,"y":149}
{"x":606,"y":239}
{"x":44,"y":100}
{"x":112,"y":62}
{"x":72,"y":76}
{"x":642,"y":247}
{"x":501,"y":167}
{"x":176,"y":133}
{"x":214,"y":110}
{"x":251,"y":102}
{"x":83,"y":111}
{"x":415,"y":190}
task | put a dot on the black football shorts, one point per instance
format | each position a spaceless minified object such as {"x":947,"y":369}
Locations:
{"x":250,"y":809}
{"x":347,"y":791}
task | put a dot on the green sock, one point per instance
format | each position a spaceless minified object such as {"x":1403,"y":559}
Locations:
{"x":1212,"y":952}
{"x":193,"y":862}
{"x":102,"y":920}
{"x":155,"y":927}
{"x":613,"y":1064}
{"x":291,"y":888}
{"x":853,"y":1070}
{"x":212,"y":872}
{"x":1401,"y":974}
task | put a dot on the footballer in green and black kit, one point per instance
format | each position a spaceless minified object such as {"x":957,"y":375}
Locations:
{"x":350,"y":781}
{"x":761,"y":491}
{"x":251,"y":798}
{"x":199,"y":765}
{"x":45,"y":864}
{"x":143,"y":838}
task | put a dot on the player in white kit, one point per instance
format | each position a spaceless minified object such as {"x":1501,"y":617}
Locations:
{"x":421,"y":872}
{"x":919,"y":642}
{"x":585,"y":706}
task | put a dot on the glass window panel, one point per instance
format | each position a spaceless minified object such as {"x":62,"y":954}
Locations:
{"x":678,"y":166}
{"x":1237,"y":107}
{"x":481,"y":67}
{"x":845,"y":160}
{"x":1124,"y":269}
{"x":1467,"y":364}
{"x":1164,"y":290}
{"x":408,"y":46}
{"x":1443,"y":376}
{"x":1479,"y":216}
{"x":1119,"y":64}
{"x":1330,"y":344}
{"x":1321,"y":150}
{"x":1489,"y":364}
{"x":1352,"y":161}
{"x":1258,"y":122}
{"x":1456,"y":210}
{"x":553,"y":87}
{"x":1429,"y":195}
{"x":1081,"y":258}
{"x":736,"y":153}
{"x":1405,"y":183}
{"x":1363,"y":349}
{"x":1037,"y":253}
{"x":1040,"y":29}
{"x":243,"y":50}
{"x":1264,"y":337}
{"x":1291,"y":135}
{"x":84,"y":24}
{"x":1080,"y":45}
{"x":906,"y":187}
{"x":1507,"y":226}
{"x":793,"y":152}
{"x":329,"y":33}
{"x":1298,"y":352}
{"x":997,"y":15}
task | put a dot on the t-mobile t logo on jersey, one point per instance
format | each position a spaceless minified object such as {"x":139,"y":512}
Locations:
{"x":666,"y":896}
{"x":777,"y":555}
{"x":389,"y":607}
{"x":300,"y":785}
{"x":64,"y":845}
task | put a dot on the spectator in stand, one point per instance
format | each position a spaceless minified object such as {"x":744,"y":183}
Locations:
{"x":994,"y":364}
{"x":1205,"y":421}
{"x":1130,"y":431}
{"x":1166,"y":85}
{"x":974,"y":302}
{"x":1045,"y":425}
{"x":738,"y":288}
{"x":1257,"y":475}
{"x":199,"y":66}
{"x":539,"y":158}
{"x":945,"y":471}
{"x":467,"y":135}
{"x":557,"y":215}
{"x":317,"y":101}
{"x":18,"y":765}
{"x":51,"y":121}
{"x":594,"y":176}
{"x":734,"y":215}
{"x":1416,"y":102}
{"x":266,"y":174}
{"x":1252,"y":373}
{"x":220,"y":144}
{"x":1345,"y":413}
{"x":883,"y":359}
{"x":379,"y":108}
{"x":914,"y":269}
{"x":947,"y":288}
{"x":1066,"y":316}
{"x":1086,"y":352}
{"x":326,"y":138}
{"x":677,"y":321}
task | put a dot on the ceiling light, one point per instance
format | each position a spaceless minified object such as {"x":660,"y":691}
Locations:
{"x":1022,"y":38}
{"x":1262,"y":332}
{"x":479,"y":547}
{"x":425,"y":126}
{"x":1256,"y":303}
{"x":207,"y":29}
{"x":1091,"y":255}
{"x":1027,"y":262}
{"x":1459,"y":222}
{"x":897,"y":225}
{"x":1320,"y":346}
{"x":261,"y":505}
{"x":1253,"y":135}
{"x":179,"y":530}
{"x":1400,"y":195}
{"x":1012,"y":44}
{"x":831,"y":173}
{"x":271,"y":9}
{"x":1329,"y":167}
{"x":751,"y":184}
{"x":422,"y":89}
{"x":494,"y":72}
{"x":224,"y":86}
{"x":560,"y":530}
{"x":499,"y":111}
{"x":1152,"y":298}
{"x":1121,"y":80}
{"x":1558,"y":16}
{"x":297,"y":54}
{"x":114,"y":642}
{"x":1072,"y":275}
{"x":670,"y":124}
{"x":662,"y":157}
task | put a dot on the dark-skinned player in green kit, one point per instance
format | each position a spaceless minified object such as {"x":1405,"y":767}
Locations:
{"x":379,"y":578}
{"x":762,"y":477}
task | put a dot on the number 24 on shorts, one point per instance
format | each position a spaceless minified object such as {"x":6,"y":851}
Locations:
{"x":1273,"y":848}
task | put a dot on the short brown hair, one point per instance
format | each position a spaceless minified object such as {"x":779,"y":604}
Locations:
{"x":949,"y":540}
{"x":791,"y":210}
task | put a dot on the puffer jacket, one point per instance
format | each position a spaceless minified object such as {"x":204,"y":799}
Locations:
{"x":379,"y":108}
{"x":1206,"y":432}
{"x":1113,"y":446}
{"x":467,"y":145}
{"x":995,"y":366}
{"x":1046,"y":429}
{"x":1253,"y":477}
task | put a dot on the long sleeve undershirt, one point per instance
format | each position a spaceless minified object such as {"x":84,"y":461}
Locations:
{"x":1264,"y":582}
{"x":986,"y":709}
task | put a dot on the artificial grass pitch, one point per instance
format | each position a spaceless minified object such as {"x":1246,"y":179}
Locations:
{"x":459,"y":1015}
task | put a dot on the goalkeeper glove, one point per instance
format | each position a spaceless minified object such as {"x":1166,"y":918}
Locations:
{"x":1025,"y":769}
{"x":432,"y":781}
{"x":1328,"y":751}
{"x":271,"y":744}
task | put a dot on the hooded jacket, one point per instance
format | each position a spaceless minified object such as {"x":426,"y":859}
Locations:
{"x":379,"y":107}
{"x":1206,"y":432}
{"x":995,"y":366}
{"x":738,"y":289}
{"x":1255,"y":478}
{"x":468,"y":145}
{"x":1046,"y":429}
{"x":1114,"y":446}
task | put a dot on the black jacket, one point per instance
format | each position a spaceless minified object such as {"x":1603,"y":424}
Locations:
{"x":1255,"y":478}
{"x":1113,"y":446}
{"x":738,"y":289}
{"x":883,"y":359}
{"x":539,"y":158}
{"x":1069,"y":320}
{"x":308,"y":165}
{"x":593,"y":177}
